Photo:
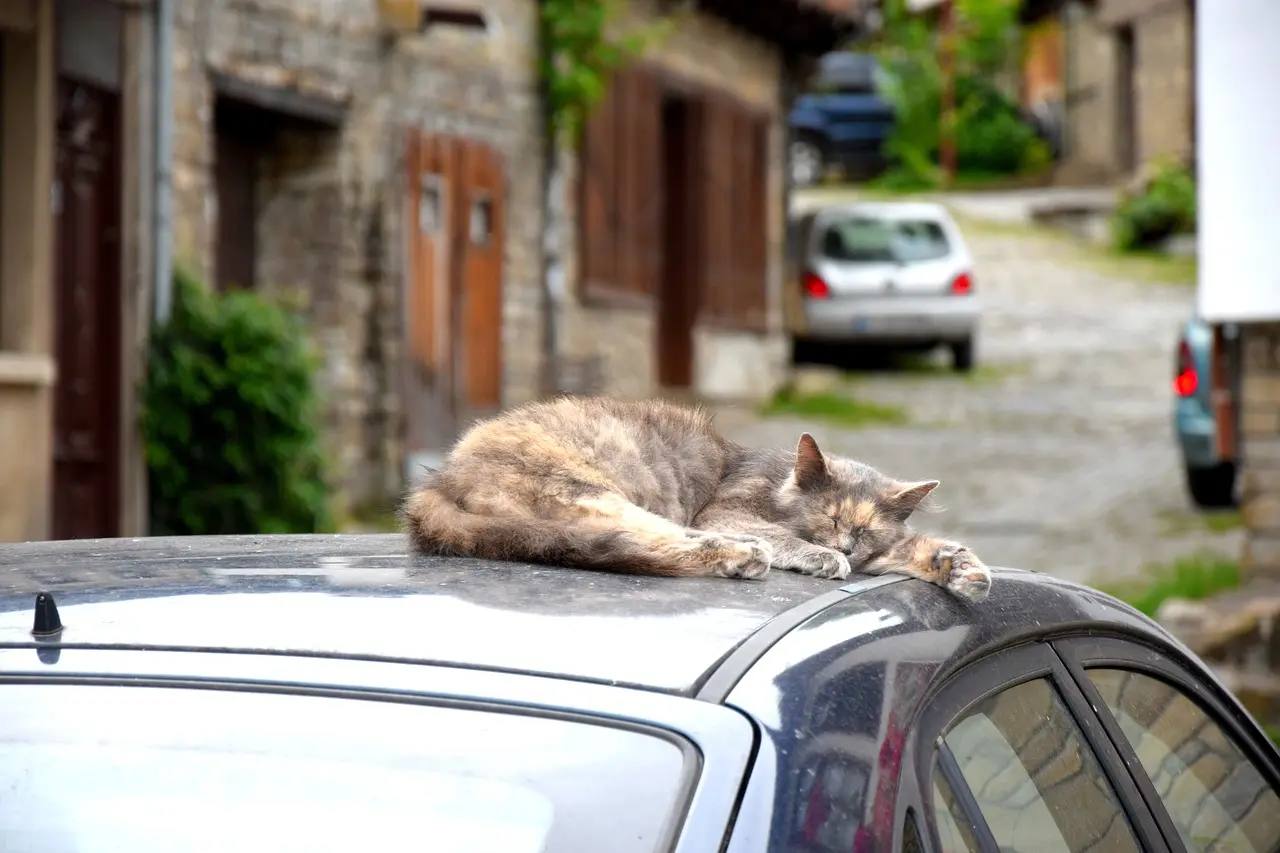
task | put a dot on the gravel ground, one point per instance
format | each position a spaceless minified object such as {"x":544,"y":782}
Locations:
{"x":1058,"y":453}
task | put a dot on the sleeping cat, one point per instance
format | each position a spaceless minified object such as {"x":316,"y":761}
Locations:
{"x":649,"y":487}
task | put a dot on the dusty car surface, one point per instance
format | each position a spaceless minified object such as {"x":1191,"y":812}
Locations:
{"x":333,"y":693}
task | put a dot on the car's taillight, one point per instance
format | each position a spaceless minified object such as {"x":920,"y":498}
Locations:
{"x":962,"y":284}
{"x":815,"y":287}
{"x":1187,"y":380}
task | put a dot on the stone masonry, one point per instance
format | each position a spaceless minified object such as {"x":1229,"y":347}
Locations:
{"x":330,"y":202}
{"x":1260,"y":446}
{"x":1163,"y":83}
{"x":727,"y":364}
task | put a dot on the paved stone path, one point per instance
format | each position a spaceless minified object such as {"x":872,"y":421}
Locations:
{"x":1058,"y":455}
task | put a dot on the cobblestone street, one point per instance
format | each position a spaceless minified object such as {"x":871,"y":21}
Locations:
{"x":1058,"y":453}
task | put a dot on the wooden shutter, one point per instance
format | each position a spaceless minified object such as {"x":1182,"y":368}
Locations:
{"x":640,"y":201}
{"x":620,"y":223}
{"x":598,"y":199}
{"x":718,"y":213}
{"x":482,"y":229}
{"x":735,"y":223}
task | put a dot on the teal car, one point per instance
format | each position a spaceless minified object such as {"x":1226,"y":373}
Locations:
{"x":1211,"y":480}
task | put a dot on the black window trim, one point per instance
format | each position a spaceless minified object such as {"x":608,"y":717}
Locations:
{"x":1083,"y":653}
{"x":994,"y":673}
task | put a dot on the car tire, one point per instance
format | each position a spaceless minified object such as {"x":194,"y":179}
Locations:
{"x":962,"y":355}
{"x":1213,"y":488}
{"x":807,"y":161}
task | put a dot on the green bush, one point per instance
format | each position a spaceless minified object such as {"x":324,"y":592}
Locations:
{"x":1161,"y":206}
{"x":229,"y":418}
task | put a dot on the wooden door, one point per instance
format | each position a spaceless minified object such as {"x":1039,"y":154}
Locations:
{"x":477,"y":282}
{"x":455,"y":212}
{"x":86,"y":482}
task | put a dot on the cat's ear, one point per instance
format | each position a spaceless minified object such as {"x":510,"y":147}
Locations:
{"x":904,"y":499}
{"x":811,"y":467}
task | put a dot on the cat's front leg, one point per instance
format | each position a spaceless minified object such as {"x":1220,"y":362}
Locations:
{"x":945,"y":563}
{"x":789,"y":552}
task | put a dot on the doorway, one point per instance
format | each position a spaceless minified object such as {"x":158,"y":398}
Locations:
{"x":1126,"y":100}
{"x":86,"y":454}
{"x":678,"y":288}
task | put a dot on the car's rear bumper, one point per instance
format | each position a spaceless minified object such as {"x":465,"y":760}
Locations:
{"x":896,"y":319}
{"x":1197,"y":433}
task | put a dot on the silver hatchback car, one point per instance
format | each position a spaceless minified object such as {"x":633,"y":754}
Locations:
{"x":891,"y":274}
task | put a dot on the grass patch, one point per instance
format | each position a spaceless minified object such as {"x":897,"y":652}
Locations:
{"x":1184,"y":523}
{"x":1153,"y":267}
{"x":839,"y":409}
{"x":1193,"y":577}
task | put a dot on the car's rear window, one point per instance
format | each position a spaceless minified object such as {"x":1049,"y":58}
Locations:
{"x":867,"y":239}
{"x":92,"y":769}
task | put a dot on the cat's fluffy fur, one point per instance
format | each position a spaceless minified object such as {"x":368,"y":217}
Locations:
{"x":650,"y":487}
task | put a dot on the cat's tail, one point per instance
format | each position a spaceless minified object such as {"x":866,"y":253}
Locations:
{"x":437,"y":525}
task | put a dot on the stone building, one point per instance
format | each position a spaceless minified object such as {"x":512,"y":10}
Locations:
{"x":77,"y":193}
{"x":385,"y":162}
{"x":1125,"y":81}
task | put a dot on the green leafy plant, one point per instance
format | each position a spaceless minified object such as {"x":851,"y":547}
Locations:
{"x":1163,"y":204}
{"x":990,"y":135}
{"x":229,"y":414}
{"x":581,"y":48}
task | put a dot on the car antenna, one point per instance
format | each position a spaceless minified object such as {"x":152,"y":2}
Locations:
{"x":47,"y":619}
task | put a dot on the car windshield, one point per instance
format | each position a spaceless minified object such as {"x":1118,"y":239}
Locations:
{"x":148,"y":769}
{"x":867,"y":239}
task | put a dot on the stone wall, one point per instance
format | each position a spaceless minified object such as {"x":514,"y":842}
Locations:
{"x":1090,"y":144}
{"x":1260,"y":446}
{"x":1165,"y":86}
{"x":330,"y":202}
{"x":727,"y":364}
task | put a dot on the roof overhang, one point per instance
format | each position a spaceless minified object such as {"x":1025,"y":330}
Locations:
{"x":797,"y":27}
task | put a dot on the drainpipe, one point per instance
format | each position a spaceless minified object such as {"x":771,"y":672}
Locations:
{"x":163,"y":175}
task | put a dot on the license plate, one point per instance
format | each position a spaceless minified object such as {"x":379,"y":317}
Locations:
{"x":891,"y":323}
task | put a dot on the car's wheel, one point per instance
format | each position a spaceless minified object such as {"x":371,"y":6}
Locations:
{"x":1213,"y":488}
{"x":807,"y":162}
{"x":962,"y":355}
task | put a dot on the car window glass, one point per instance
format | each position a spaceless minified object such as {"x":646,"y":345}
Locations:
{"x":92,"y":769}
{"x":873,"y":240}
{"x":955,"y":833}
{"x":1218,"y":800}
{"x":1034,"y":777}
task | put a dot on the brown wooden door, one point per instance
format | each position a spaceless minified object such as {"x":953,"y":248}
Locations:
{"x":455,"y":212}
{"x":87,"y":309}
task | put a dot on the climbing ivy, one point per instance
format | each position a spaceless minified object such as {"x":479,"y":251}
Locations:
{"x":580,"y":50}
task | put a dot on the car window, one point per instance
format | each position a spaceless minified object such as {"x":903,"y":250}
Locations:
{"x":103,"y":768}
{"x":1034,"y":777}
{"x":865,"y":239}
{"x":1218,"y":800}
{"x":955,"y":833}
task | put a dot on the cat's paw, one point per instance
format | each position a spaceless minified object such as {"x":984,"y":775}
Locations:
{"x":962,"y":572}
{"x":819,"y":562}
{"x":738,"y":556}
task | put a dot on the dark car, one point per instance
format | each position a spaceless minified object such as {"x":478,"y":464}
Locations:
{"x":331,"y":693}
{"x":842,"y":120}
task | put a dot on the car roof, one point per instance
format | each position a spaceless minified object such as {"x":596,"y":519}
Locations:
{"x":365,"y":596}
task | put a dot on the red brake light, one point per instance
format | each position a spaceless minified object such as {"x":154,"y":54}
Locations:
{"x":962,"y":284}
{"x":815,"y":287}
{"x":1187,"y":380}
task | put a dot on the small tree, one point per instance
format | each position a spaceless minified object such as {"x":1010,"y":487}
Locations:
{"x":229,"y":418}
{"x":990,"y":135}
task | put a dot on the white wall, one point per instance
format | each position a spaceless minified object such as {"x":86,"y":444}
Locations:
{"x":1238,"y":141}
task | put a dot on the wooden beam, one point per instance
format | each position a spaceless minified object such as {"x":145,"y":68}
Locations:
{"x":18,"y":15}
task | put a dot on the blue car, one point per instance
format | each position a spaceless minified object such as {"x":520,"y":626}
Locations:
{"x":841,"y":121}
{"x":333,"y":693}
{"x":1211,"y":480}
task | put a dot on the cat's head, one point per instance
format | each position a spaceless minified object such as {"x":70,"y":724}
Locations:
{"x":845,"y":505}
